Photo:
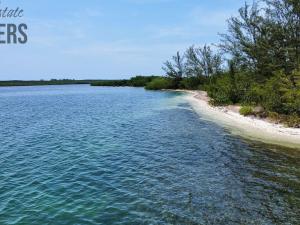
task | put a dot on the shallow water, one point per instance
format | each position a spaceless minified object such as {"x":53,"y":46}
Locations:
{"x":92,"y":155}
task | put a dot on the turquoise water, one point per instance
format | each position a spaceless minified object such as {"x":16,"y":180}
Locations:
{"x":92,"y":155}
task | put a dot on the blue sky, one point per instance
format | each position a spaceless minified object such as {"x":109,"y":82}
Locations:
{"x":108,"y":39}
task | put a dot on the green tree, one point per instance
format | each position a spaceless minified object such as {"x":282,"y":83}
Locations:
{"x":175,"y":69}
{"x":193,"y":65}
{"x":246,"y":41}
{"x":284,"y":17}
{"x":202,"y":62}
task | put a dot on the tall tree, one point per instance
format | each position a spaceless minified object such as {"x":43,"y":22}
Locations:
{"x":210,"y":62}
{"x":265,"y":39}
{"x":175,"y":69}
{"x":245,"y":40}
{"x":193,"y":64}
{"x":285,"y":19}
{"x":202,"y":61}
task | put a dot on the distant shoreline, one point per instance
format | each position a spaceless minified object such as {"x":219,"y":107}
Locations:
{"x":137,"y":81}
{"x":20,"y":83}
{"x":249,"y":127}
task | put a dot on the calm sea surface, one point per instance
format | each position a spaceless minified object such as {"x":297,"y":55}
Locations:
{"x":93,"y":155}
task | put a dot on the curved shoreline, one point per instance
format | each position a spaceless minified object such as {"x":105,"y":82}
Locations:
{"x":249,"y":127}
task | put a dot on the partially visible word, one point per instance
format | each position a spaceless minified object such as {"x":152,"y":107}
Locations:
{"x":11,"y":13}
{"x":13,"y":34}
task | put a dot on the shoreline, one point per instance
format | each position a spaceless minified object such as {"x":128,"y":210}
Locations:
{"x":249,"y":127}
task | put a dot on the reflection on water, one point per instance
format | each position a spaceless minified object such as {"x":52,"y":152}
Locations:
{"x":84,"y":155}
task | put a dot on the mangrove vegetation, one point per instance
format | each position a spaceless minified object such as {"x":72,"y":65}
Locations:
{"x":256,"y":63}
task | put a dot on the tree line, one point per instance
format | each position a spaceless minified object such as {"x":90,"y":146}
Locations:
{"x":43,"y":82}
{"x":256,"y":63}
{"x":137,"y":81}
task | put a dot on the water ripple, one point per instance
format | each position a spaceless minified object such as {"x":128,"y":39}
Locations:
{"x":84,"y":155}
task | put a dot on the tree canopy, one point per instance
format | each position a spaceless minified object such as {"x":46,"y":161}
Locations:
{"x":262,"y":51}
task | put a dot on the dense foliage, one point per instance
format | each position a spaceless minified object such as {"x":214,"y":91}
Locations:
{"x":246,"y":111}
{"x":256,"y":63}
{"x":160,"y":83}
{"x":114,"y":83}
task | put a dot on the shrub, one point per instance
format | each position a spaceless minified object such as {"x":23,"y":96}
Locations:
{"x":220,"y":91}
{"x":274,"y":116}
{"x":281,"y":96}
{"x":246,"y":111}
{"x":293,"y":121}
{"x":141,"y":81}
{"x":291,"y":101}
{"x":192,"y":83}
{"x":253,"y":95}
{"x":159,"y":83}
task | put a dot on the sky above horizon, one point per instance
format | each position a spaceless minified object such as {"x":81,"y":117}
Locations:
{"x":97,"y":39}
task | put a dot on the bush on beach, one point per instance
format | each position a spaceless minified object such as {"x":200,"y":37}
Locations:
{"x":159,"y":84}
{"x":247,"y":111}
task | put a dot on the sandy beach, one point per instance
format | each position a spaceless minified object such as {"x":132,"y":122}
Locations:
{"x":250,"y":127}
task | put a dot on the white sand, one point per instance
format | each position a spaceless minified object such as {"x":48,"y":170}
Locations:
{"x":250,"y":127}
